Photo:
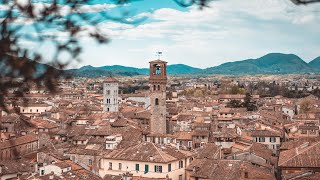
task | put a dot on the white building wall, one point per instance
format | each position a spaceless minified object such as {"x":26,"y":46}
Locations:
{"x":34,"y":109}
{"x":110,"y":97}
{"x":130,"y":166}
{"x":145,"y":100}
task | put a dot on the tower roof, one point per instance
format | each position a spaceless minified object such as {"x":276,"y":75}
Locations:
{"x":111,"y":80}
{"x":158,"y":61}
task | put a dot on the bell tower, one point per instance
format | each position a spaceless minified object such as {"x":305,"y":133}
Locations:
{"x":158,"y":83}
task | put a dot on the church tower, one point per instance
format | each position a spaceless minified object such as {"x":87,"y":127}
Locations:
{"x":110,"y":95}
{"x":158,"y":83}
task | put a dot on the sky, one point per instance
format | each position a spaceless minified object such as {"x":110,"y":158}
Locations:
{"x":227,"y":30}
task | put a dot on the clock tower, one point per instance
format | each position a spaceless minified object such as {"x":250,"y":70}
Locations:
{"x":158,"y":83}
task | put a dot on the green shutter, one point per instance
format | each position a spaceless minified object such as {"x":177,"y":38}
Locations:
{"x":146,"y":168}
{"x":155,"y":168}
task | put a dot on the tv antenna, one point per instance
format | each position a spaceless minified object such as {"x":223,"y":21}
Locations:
{"x":159,"y":54}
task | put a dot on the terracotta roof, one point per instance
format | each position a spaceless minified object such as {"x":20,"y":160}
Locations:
{"x":148,"y":152}
{"x":226,"y":170}
{"x":111,"y":80}
{"x":303,"y":156}
{"x":62,"y":165}
{"x":265,"y":133}
{"x":209,"y":151}
{"x":158,"y":61}
{"x":183,"y":135}
{"x":18,"y":141}
{"x":14,"y":166}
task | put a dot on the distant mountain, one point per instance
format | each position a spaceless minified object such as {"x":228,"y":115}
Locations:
{"x":90,"y":71}
{"x":177,"y":69}
{"x":315,"y":63}
{"x":273,"y":63}
{"x":122,"y":69}
{"x":173,"y":69}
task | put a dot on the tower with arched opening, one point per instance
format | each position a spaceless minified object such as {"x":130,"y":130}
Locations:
{"x":158,"y":83}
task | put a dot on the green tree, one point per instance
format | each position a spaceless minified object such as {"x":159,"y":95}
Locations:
{"x":234,"y":104}
{"x":305,"y":106}
{"x":249,"y":103}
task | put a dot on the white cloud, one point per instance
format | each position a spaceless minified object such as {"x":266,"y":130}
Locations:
{"x":228,"y":30}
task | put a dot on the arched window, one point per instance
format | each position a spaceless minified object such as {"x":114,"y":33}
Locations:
{"x":158,"y":87}
{"x":156,"y":101}
{"x":154,"y":87}
{"x":108,"y":109}
{"x":158,"y":69}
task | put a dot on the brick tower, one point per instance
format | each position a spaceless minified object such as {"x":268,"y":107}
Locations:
{"x":158,"y":83}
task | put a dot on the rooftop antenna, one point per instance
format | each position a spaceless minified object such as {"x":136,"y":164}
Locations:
{"x":159,"y":54}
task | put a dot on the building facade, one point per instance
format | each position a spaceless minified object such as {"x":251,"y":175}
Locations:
{"x":110,"y":95}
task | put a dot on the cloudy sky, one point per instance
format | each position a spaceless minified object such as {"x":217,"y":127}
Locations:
{"x":226,"y":31}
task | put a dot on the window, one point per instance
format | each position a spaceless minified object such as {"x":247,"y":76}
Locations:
{"x":158,"y":169}
{"x":190,"y":160}
{"x":37,"y":110}
{"x":120,"y":166}
{"x":30,"y":110}
{"x":180,"y":164}
{"x":261,"y":139}
{"x":158,"y":69}
{"x":154,"y":87}
{"x":169,"y":167}
{"x":137,"y":167}
{"x":180,"y":177}
{"x":90,"y":162}
{"x":22,"y":110}
{"x":146,"y":168}
{"x":42,"y":172}
{"x":272,"y":139}
{"x":246,"y":175}
{"x":108,"y":109}
{"x":108,"y":92}
{"x":158,"y":87}
{"x":156,"y":101}
{"x":110,"y":165}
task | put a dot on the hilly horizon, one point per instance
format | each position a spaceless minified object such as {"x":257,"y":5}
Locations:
{"x":272,"y":63}
{"x":315,"y":63}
